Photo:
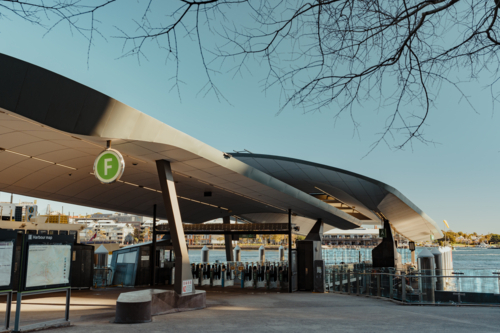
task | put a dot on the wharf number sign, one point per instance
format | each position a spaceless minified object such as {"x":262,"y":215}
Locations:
{"x":109,"y":166}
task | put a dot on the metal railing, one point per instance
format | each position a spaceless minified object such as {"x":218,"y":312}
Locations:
{"x":420,"y":288}
{"x":103,"y":277}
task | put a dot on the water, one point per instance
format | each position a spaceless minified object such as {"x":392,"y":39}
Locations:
{"x":339,"y":255}
{"x":476,"y":258}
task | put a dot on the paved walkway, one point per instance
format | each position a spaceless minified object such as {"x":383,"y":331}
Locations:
{"x":93,"y":311}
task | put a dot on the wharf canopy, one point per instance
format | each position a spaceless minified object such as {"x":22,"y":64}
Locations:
{"x":52,"y":129}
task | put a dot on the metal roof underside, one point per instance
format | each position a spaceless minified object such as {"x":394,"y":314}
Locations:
{"x":366,"y":195}
{"x":52,"y":129}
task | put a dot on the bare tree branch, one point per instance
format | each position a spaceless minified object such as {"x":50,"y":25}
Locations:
{"x":332,"y":55}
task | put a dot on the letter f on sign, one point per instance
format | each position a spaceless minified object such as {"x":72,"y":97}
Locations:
{"x":107,"y":166}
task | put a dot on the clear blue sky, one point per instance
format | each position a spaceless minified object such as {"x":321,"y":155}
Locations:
{"x":456,"y":180}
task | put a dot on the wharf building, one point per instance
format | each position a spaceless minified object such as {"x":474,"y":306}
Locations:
{"x":53,"y":129}
{"x":355,"y":237}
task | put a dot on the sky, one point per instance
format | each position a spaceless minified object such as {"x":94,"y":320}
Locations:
{"x":454,"y":180}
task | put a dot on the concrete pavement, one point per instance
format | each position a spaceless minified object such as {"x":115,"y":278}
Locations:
{"x":93,"y":311}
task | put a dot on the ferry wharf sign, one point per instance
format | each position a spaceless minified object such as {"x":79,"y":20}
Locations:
{"x":109,"y":166}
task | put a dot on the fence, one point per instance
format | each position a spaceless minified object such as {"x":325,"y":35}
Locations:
{"x":469,"y":286}
{"x":103,"y":277}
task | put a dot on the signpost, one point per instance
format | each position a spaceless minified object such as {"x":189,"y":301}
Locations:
{"x":46,"y":267}
{"x":109,"y":166}
{"x":382,"y":233}
{"x":248,"y":236}
{"x":7,"y":259}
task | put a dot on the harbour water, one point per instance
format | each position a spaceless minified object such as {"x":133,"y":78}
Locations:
{"x":465,"y":259}
{"x":476,"y":258}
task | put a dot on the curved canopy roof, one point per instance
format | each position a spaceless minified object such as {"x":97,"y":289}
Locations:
{"x":365,"y":198}
{"x":52,"y":129}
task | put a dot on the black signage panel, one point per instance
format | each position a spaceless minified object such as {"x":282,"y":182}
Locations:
{"x":46,"y":262}
{"x":7,"y":258}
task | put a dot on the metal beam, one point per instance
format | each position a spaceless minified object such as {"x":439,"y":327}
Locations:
{"x":221,"y":227}
{"x":182,"y":264}
{"x":228,"y":240}
{"x":211,"y":232}
{"x":316,"y":232}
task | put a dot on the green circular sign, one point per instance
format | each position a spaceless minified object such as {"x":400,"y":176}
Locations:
{"x":109,"y":166}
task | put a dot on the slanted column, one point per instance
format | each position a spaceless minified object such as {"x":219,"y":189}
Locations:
{"x":386,"y":254}
{"x":316,"y":232}
{"x":182,"y":264}
{"x":228,"y":239}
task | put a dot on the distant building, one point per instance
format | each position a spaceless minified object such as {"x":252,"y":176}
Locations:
{"x":360,"y":237}
{"x":108,"y":230}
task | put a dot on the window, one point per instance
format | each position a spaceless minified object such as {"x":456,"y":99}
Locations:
{"x":126,"y":258}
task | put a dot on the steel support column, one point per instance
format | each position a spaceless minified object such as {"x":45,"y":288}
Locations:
{"x":228,"y":240}
{"x":153,"y":250}
{"x":182,"y":264}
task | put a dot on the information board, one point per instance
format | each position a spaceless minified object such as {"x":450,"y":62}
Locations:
{"x":47,"y":261}
{"x":7,"y":255}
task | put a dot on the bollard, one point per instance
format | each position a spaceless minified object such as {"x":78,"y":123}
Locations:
{"x":281,"y":251}
{"x":204,"y":254}
{"x":262,"y":254}
{"x":427,"y":279}
{"x":439,"y":261}
{"x":237,"y":253}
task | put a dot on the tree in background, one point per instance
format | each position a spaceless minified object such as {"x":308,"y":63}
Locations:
{"x":495,"y":238}
{"x":450,"y":237}
{"x":332,"y":55}
{"x":101,"y":235}
{"x":138,"y":238}
{"x":129,"y":239}
{"x":146,"y":234}
{"x":89,"y":233}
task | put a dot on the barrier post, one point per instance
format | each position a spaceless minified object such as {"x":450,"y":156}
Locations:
{"x":403,"y":287}
{"x":348,"y":281}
